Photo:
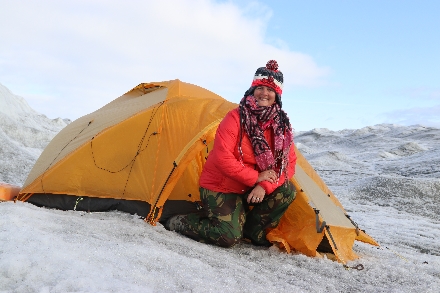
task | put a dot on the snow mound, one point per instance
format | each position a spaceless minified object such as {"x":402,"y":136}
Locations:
{"x":408,"y":149}
{"x":24,"y":133}
{"x":322,"y":134}
{"x":412,"y":195}
{"x":305,"y":149}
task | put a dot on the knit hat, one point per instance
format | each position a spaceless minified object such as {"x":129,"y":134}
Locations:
{"x":269,"y":76}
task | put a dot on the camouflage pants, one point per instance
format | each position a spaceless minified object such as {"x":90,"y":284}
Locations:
{"x":227,"y":217}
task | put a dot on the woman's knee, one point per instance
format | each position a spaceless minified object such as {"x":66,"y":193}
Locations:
{"x":285,"y":194}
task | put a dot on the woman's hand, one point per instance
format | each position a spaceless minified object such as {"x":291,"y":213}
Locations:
{"x":256,"y":195}
{"x":268,"y":175}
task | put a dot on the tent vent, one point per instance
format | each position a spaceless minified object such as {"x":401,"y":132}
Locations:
{"x":149,"y":89}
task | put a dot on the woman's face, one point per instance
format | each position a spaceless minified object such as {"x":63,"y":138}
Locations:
{"x":265,"y":96}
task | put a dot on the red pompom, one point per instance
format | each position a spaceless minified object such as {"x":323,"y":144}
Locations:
{"x":272,"y":65}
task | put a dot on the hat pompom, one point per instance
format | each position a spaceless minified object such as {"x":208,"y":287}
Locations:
{"x":272,"y":65}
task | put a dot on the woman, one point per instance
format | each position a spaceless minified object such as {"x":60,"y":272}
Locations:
{"x":244,"y":186}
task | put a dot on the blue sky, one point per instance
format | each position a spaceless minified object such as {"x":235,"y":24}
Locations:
{"x":347,"y":64}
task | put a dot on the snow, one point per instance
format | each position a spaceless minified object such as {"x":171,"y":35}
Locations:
{"x":23,"y":135}
{"x":386,"y":176}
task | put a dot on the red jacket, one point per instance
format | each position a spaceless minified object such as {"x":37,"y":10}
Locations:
{"x":223,"y":172}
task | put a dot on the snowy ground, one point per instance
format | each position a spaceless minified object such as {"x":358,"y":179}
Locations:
{"x":386,"y":176}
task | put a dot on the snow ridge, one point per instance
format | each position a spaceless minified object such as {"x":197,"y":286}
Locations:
{"x":24,"y":133}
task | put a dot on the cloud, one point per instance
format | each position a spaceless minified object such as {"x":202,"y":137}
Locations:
{"x":419,"y":115}
{"x":79,"y":55}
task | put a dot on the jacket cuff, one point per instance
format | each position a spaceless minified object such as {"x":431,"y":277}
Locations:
{"x":268,"y":187}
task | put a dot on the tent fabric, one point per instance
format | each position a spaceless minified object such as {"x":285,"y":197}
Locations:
{"x":316,"y":206}
{"x":134,"y":148}
{"x":320,"y":201}
{"x":8,"y":191}
{"x":144,"y":152}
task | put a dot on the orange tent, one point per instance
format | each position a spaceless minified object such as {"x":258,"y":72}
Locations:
{"x":143,"y":153}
